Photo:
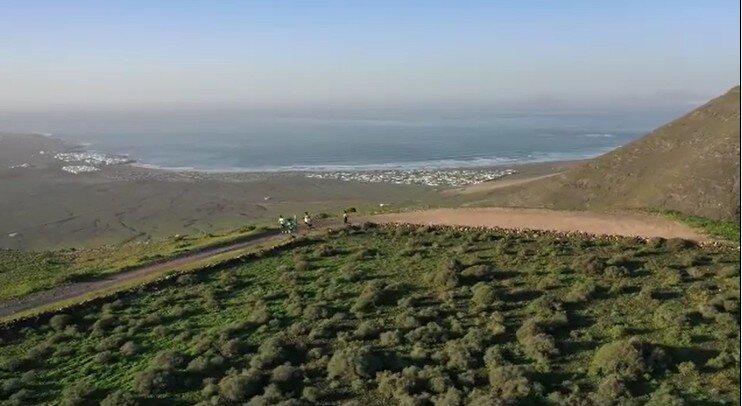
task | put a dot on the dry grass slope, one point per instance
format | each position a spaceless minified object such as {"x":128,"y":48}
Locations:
{"x":690,"y":165}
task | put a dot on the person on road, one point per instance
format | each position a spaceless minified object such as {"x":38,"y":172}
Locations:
{"x":307,"y":220}
{"x":345,"y":217}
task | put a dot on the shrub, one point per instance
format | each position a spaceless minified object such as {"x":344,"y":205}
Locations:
{"x":458,"y":356}
{"x":670,"y":314}
{"x":665,"y":395}
{"x":729,"y":271}
{"x":536,"y":344}
{"x":390,"y":338}
{"x":119,"y":398}
{"x":77,"y":394}
{"x":446,"y":277}
{"x":676,"y":244}
{"x":509,"y":383}
{"x":406,"y":320}
{"x":477,"y":272}
{"x":106,"y":322}
{"x":284,"y":373}
{"x":187,"y":279}
{"x":315,"y":311}
{"x":353,"y":361}
{"x":483,"y":295}
{"x":152,"y":381}
{"x":627,"y":359}
{"x":103,"y":357}
{"x":581,"y":292}
{"x":367,"y":329}
{"x":259,"y":314}
{"x":129,"y":348}
{"x":611,"y":389}
{"x":310,"y":394}
{"x":370,"y":296}
{"x":205,"y":364}
{"x":59,"y":321}
{"x":616,"y":272}
{"x":430,"y":333}
{"x":548,"y":310}
{"x":589,"y":264}
{"x":169,"y":360}
{"x":109,"y":343}
{"x":240,"y":387}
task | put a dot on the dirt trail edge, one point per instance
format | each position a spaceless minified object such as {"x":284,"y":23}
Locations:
{"x":76,"y":289}
{"x":623,"y":224}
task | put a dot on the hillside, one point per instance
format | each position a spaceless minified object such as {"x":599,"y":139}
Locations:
{"x":690,"y":165}
{"x":406,"y":316}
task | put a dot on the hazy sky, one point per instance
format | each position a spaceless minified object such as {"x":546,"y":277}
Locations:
{"x":138,"y":54}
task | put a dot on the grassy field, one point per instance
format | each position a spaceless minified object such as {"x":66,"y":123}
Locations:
{"x":409,"y":316}
{"x":24,"y":272}
{"x":725,"y":230}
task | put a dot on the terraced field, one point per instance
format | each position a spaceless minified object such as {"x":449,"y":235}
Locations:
{"x":404,"y":315}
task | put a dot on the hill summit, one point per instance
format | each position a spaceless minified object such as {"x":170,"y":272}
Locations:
{"x":691,"y":165}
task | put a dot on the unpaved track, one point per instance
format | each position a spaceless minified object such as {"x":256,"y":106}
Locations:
{"x":77,"y":289}
{"x":624,"y":224}
{"x":497,"y":184}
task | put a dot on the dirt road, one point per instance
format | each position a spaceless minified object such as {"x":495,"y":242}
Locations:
{"x":625,"y":224}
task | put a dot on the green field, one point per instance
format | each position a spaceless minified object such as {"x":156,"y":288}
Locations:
{"x":24,"y":272}
{"x":409,"y":316}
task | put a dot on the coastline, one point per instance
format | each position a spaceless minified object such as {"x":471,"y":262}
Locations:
{"x":45,"y":207}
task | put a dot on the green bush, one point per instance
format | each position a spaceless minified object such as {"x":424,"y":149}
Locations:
{"x":119,"y":398}
{"x":240,"y":387}
{"x":589,"y":264}
{"x":355,"y":360}
{"x":626,"y":359}
{"x":153,"y":381}
{"x":581,"y":292}
{"x":483,"y":295}
{"x":78,"y":394}
{"x":59,"y":321}
{"x":169,"y":360}
{"x":510,"y":383}
{"x":536,"y":344}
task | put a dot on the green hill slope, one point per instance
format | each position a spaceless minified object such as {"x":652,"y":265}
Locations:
{"x":690,"y":165}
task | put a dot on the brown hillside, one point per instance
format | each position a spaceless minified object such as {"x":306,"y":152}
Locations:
{"x":691,"y":165}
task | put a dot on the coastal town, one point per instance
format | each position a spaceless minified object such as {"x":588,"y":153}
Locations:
{"x":427,"y":177}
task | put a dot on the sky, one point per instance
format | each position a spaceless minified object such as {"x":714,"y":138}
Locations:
{"x":295,"y":54}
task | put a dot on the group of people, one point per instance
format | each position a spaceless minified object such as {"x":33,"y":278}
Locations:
{"x":289,"y":225}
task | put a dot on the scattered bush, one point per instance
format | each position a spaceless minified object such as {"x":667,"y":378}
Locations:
{"x":119,"y":398}
{"x":367,"y":329}
{"x":536,"y":344}
{"x":581,"y":292}
{"x":626,"y":359}
{"x":240,"y":387}
{"x":77,"y":394}
{"x":483,"y":295}
{"x":169,"y":360}
{"x":510,"y":383}
{"x":589,"y":264}
{"x":129,"y":348}
{"x":355,"y":360}
{"x":153,"y":381}
{"x":59,"y":321}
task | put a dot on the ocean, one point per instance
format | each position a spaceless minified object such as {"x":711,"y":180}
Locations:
{"x":231,"y":142}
